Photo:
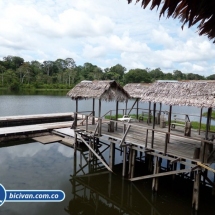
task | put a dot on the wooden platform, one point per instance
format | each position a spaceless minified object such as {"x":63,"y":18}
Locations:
{"x":178,"y":146}
{"x":48,"y":139}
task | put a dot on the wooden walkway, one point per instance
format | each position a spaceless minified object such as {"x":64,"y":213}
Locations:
{"x":178,"y":145}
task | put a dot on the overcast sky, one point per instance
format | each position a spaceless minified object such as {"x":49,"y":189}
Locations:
{"x":103,"y":33}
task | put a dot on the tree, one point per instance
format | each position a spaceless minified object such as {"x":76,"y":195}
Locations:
{"x":156,"y":74}
{"x":178,"y":75}
{"x":137,"y":76}
{"x":24,"y":72}
{"x":2,"y":70}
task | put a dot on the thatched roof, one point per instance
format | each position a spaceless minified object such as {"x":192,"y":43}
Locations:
{"x":135,"y":90}
{"x":198,"y":94}
{"x":188,"y":11}
{"x":104,"y":90}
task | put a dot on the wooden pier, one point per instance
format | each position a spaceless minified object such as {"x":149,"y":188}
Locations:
{"x":140,"y":141}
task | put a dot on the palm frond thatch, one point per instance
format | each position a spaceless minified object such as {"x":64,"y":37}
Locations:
{"x":195,"y":93}
{"x":189,"y":12}
{"x":136,"y":90}
{"x":104,"y":90}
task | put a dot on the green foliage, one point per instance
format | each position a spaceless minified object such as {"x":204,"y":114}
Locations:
{"x":212,"y":114}
{"x":16,"y":73}
{"x":137,"y":76}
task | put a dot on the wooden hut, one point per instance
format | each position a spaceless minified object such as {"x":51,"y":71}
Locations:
{"x":101,"y":90}
{"x":193,"y":93}
{"x":136,"y":90}
{"x":202,"y":12}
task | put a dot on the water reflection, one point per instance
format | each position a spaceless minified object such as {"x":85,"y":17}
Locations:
{"x":89,"y":187}
{"x":97,"y":191}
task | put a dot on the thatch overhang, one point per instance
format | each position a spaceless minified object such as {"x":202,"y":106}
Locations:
{"x":103,"y":90}
{"x":198,"y":94}
{"x":135,"y":90}
{"x":188,"y":11}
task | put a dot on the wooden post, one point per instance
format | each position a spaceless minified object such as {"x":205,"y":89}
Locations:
{"x":169,"y":121}
{"x":208,"y":123}
{"x":93,"y":119}
{"x":86,"y":122}
{"x":196,"y":183}
{"x":124,"y":161}
{"x":76,"y":113}
{"x":156,"y":170}
{"x":117,"y":108}
{"x":126,"y":106}
{"x":137,"y":108}
{"x":112,"y":155}
{"x":149,"y":118}
{"x":200,"y":121}
{"x":159,"y":115}
{"x":100,"y":122}
{"x":99,"y":108}
{"x":153,"y":126}
{"x":132,"y":162}
{"x":90,"y":153}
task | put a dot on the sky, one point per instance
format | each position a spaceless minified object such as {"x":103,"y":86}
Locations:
{"x":104,"y":33}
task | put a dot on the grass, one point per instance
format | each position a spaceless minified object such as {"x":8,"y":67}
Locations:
{"x":212,"y":114}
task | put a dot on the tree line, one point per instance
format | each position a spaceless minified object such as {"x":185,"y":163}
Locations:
{"x":16,"y":73}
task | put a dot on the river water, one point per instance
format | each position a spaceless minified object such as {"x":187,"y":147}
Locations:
{"x":32,"y":165}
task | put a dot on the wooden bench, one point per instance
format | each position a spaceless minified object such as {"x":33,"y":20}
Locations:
{"x":125,"y":118}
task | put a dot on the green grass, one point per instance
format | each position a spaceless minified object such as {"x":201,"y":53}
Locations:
{"x":212,"y":114}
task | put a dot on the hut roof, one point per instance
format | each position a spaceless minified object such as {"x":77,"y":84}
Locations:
{"x":104,"y":90}
{"x":135,"y":90}
{"x":188,"y":11}
{"x":198,"y":94}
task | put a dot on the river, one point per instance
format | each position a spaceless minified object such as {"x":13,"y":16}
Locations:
{"x":32,"y":165}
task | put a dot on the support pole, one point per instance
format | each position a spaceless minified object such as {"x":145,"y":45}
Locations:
{"x":112,"y":155}
{"x":100,"y":122}
{"x":149,"y":113}
{"x":200,"y":121}
{"x":76,"y":113}
{"x":137,"y":108}
{"x":153,"y":125}
{"x":117,"y":110}
{"x":169,"y":122}
{"x":126,"y":106}
{"x":156,"y":170}
{"x":93,"y":119}
{"x":195,"y":201}
{"x":131,"y":162}
{"x":208,"y":123}
{"x":124,"y":161}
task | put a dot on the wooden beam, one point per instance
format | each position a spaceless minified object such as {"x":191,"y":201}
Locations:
{"x":132,"y":106}
{"x":93,"y":151}
{"x":161,"y":174}
{"x":205,"y":167}
{"x":126,"y":132}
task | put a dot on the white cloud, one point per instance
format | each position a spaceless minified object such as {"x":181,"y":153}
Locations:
{"x":103,"y":33}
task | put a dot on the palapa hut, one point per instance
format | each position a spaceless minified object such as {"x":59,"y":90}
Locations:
{"x":101,"y":90}
{"x":188,"y":11}
{"x":135,"y":91}
{"x":194,"y":93}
